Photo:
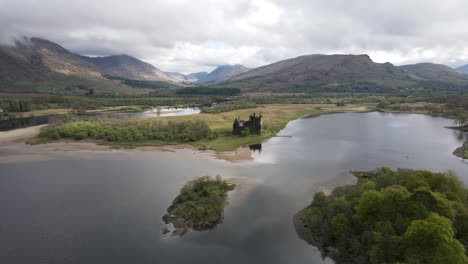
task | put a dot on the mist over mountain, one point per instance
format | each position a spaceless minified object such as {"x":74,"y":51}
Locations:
{"x":222,"y":73}
{"x":463,"y":69}
{"x":219,"y":74}
{"x":41,"y":64}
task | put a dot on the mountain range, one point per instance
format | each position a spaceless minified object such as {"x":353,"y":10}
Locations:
{"x":346,"y":73}
{"x":37,"y":64}
{"x":221,"y":73}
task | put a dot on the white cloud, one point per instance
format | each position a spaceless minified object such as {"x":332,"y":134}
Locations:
{"x":188,"y":36}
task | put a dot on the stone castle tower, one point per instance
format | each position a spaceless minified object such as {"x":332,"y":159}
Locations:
{"x":254,"y":125}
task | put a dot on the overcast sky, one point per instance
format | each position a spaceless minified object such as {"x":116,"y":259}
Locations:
{"x":197,"y":35}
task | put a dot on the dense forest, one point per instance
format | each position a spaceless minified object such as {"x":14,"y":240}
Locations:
{"x":402,"y":216}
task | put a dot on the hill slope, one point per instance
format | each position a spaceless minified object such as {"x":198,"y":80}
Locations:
{"x":463,"y":69}
{"x":39,"y":65}
{"x":222,"y":73}
{"x":434,"y":72}
{"x":194,"y":77}
{"x":128,"y":67}
{"x":190,"y":78}
{"x":342,"y":73}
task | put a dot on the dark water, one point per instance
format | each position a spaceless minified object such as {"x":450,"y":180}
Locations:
{"x":11,"y":124}
{"x":16,"y":123}
{"x":106,"y":207}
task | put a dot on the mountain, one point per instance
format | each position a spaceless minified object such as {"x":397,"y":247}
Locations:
{"x":195,"y":77}
{"x":189,"y":78}
{"x":57,"y":59}
{"x":222,"y":73}
{"x":463,"y":69}
{"x":434,"y":72}
{"x":344,"y":73}
{"x":128,"y":67}
{"x":177,"y":76}
{"x":39,"y":65}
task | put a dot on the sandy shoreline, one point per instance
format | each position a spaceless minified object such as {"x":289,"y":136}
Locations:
{"x":13,"y":143}
{"x":21,"y":134}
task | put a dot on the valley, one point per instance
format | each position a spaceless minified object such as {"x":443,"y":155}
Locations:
{"x":103,"y":154}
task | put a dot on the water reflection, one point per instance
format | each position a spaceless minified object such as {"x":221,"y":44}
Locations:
{"x":47,"y":214}
{"x":169,"y":111}
{"x":256,"y":147}
{"x":23,"y":122}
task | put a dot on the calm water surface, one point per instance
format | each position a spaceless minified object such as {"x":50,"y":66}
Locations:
{"x":169,"y":111}
{"x":106,"y":207}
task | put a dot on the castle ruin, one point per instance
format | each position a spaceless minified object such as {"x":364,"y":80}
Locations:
{"x":254,"y":125}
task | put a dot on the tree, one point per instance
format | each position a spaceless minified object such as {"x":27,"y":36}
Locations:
{"x":461,"y":120}
{"x":369,"y":206}
{"x":431,"y":240}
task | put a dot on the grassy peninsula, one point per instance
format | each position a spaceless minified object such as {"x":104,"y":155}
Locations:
{"x":200,"y":204}
{"x":402,"y":216}
{"x":204,"y":131}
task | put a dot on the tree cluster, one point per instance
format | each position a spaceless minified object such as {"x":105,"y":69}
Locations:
{"x":171,"y":132}
{"x":402,"y":216}
{"x":200,"y":203}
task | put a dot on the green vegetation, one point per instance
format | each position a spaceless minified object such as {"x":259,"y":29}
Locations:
{"x":143,"y":83}
{"x":231,"y":106}
{"x":402,"y":216}
{"x":200,"y":204}
{"x":130,"y":130}
{"x":461,"y":121}
{"x":24,"y":103}
{"x":462,"y":151}
{"x":202,"y":90}
{"x":205,"y":131}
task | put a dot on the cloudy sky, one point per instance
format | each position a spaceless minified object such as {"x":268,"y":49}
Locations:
{"x":196,"y":35}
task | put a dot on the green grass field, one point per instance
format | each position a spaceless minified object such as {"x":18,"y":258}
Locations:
{"x":275,"y":118}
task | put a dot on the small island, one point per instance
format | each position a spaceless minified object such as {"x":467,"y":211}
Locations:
{"x":402,"y":216}
{"x":199,"y":206}
{"x":462,"y":151}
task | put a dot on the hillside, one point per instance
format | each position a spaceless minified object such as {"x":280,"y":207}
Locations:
{"x":189,"y":78}
{"x":39,"y":65}
{"x":222,"y":73}
{"x":352,"y":73}
{"x":177,"y":76}
{"x":128,"y":67}
{"x":194,"y":77}
{"x":463,"y":69}
{"x":434,"y":72}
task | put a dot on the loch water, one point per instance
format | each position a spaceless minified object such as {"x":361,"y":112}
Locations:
{"x":106,"y":206}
